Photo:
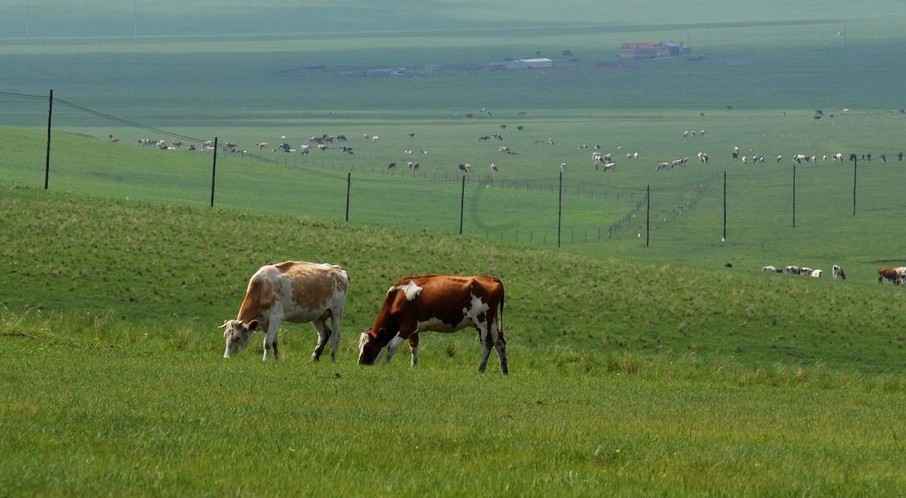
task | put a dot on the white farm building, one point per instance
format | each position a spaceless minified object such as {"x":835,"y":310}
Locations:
{"x":530,"y":63}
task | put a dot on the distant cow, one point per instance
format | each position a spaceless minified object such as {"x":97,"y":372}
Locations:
{"x":901,"y":272}
{"x":890,"y":274}
{"x":838,"y":273}
{"x":440,"y":303}
{"x":292,"y":291}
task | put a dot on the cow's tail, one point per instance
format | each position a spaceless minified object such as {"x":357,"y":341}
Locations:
{"x":500,"y":318}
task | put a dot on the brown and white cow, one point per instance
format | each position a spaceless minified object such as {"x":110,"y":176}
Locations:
{"x":440,"y":303}
{"x":890,"y":274}
{"x":292,"y":291}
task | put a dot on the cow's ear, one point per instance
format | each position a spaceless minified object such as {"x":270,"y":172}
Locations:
{"x":252,"y":325}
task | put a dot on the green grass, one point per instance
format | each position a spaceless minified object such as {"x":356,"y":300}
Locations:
{"x":136,"y":413}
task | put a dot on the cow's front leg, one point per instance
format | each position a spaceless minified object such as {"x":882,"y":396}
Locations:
{"x":413,"y":348}
{"x":391,"y":347}
{"x":270,"y":341}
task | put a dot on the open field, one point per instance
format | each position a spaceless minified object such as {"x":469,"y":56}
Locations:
{"x":520,"y":203}
{"x":188,"y":267}
{"x":703,"y":383}
{"x":673,"y":368}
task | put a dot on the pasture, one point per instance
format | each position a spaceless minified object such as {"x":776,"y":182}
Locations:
{"x":707,"y":383}
{"x":674,"y":367}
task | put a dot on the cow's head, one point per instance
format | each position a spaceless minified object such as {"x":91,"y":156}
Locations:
{"x":236,"y":334}
{"x":369,"y":348}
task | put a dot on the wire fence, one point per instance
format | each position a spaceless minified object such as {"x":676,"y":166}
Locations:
{"x":375,"y":188}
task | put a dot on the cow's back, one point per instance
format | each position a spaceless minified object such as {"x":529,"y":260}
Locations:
{"x":443,"y":297}
{"x":312,"y":285}
{"x":294,"y":288}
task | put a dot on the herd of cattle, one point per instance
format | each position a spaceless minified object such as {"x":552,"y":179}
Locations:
{"x":897,"y":275}
{"x":837,"y":271}
{"x":299,"y":292}
{"x":600,"y":160}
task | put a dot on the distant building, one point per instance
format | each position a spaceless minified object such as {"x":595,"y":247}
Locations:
{"x":638,"y":50}
{"x":674,"y":49}
{"x":529,"y":63}
{"x":642,"y":50}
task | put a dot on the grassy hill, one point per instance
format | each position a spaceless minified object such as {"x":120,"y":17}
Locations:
{"x":712,"y":380}
{"x":188,"y":267}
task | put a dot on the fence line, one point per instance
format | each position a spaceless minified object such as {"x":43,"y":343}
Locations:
{"x":636,"y":200}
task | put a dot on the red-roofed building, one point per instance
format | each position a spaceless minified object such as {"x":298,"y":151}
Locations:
{"x":642,"y":50}
{"x":638,"y":50}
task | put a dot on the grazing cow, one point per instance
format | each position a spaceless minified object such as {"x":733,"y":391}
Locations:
{"x":439,"y":303}
{"x":292,"y":291}
{"x":838,"y":273}
{"x":771,"y":269}
{"x":890,"y":274}
{"x":816,"y":273}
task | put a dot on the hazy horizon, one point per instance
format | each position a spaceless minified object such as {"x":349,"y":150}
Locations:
{"x":43,"y":19}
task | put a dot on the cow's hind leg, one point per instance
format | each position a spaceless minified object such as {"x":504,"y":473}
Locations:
{"x":500,"y":345}
{"x":324,"y":334}
{"x":486,"y":345}
{"x":335,"y":319}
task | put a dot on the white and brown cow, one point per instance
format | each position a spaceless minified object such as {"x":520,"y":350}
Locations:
{"x":890,"y":274}
{"x":440,"y":303}
{"x":292,"y":291}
